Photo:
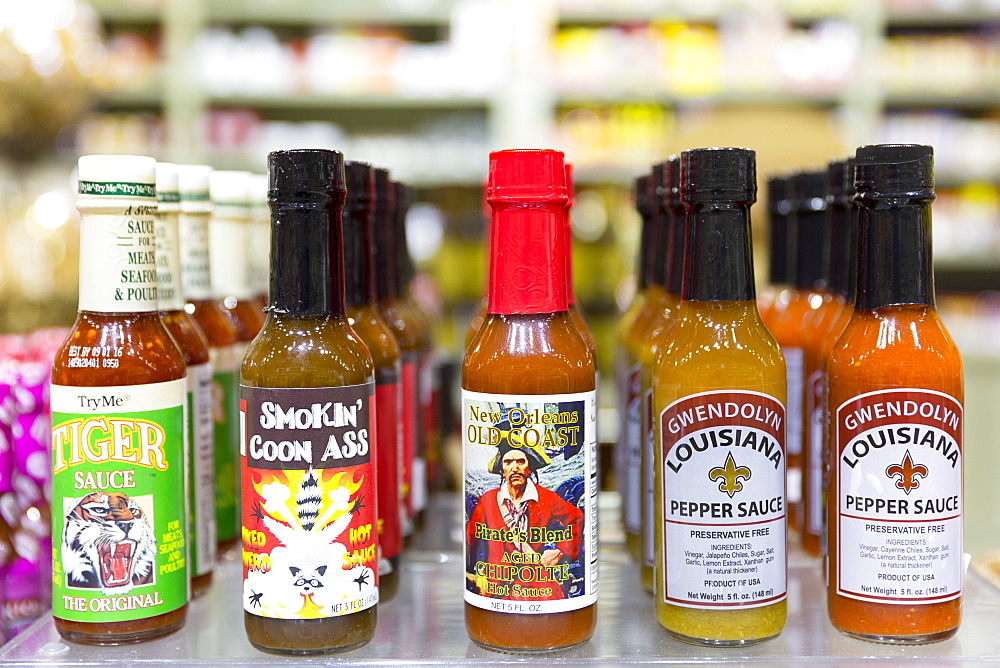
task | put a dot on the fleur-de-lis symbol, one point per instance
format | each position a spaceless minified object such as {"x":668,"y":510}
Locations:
{"x":907,"y":472}
{"x":729,"y":476}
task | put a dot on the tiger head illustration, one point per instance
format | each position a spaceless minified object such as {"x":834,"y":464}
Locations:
{"x":108,"y":544}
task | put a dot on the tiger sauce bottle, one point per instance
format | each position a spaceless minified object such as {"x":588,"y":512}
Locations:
{"x":308,"y":460}
{"x":631,"y":327}
{"x":528,"y":428}
{"x":822,"y":329}
{"x":229,"y":231}
{"x":119,"y":521}
{"x":194,"y":347}
{"x":411,"y":336}
{"x":366,"y":320}
{"x":669,"y":267}
{"x":896,"y":395}
{"x":718,"y":396}
{"x":224,"y":351}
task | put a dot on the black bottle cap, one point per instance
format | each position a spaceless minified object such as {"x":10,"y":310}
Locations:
{"x":886,"y":170}
{"x":360,"y":185}
{"x":642,"y":203}
{"x":836,"y":183}
{"x":656,"y":185}
{"x":718,"y":175}
{"x":778,"y":203}
{"x":306,"y":175}
{"x":671,"y":189}
{"x":810,"y":191}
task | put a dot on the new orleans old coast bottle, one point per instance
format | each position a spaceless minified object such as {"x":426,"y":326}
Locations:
{"x":895,"y":403}
{"x":119,"y":520}
{"x":528,"y":427}
{"x":308,"y":465}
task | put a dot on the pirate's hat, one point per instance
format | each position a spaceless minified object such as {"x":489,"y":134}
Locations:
{"x":536,"y":456}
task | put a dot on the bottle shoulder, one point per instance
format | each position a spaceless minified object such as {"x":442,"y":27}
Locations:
{"x":306,"y":352}
{"x":213,"y":322}
{"x":109,"y":349}
{"x":187,"y":335}
{"x":373,"y":331}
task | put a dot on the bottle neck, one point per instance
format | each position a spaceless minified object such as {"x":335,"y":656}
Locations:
{"x":777,"y":273}
{"x":307,"y":262}
{"x":841,"y":262}
{"x":673,"y":249}
{"x":168,"y":262}
{"x":718,"y":262}
{"x":118,"y":256}
{"x":196,"y":282}
{"x":568,"y":256}
{"x":645,"y":259}
{"x":359,"y":265}
{"x":895,"y":264}
{"x":810,"y":249}
{"x":228,"y":241}
{"x":527,"y":262}
{"x":405,"y":270}
{"x":387,"y":276}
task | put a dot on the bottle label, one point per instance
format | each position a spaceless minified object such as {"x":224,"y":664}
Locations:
{"x":389,"y":438}
{"x":531,"y":501}
{"x":411,"y":406}
{"x":168,"y":263}
{"x":118,"y":261}
{"x":118,"y":515}
{"x":428,"y":428}
{"x":815,"y":402}
{"x":648,"y":437}
{"x":201,"y":472}
{"x":794,"y":369}
{"x":310,"y":534}
{"x":899,"y":490}
{"x":225,"y":438}
{"x":632,"y":435}
{"x":227,"y":243}
{"x":723,"y":500}
{"x":195,"y":276}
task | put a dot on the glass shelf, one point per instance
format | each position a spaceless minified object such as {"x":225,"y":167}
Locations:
{"x":424,"y":625}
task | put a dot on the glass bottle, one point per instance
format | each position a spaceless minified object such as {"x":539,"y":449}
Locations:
{"x":895,"y":405}
{"x":718,"y":396}
{"x":194,"y":347}
{"x":224,"y":351}
{"x":307,"y":387}
{"x":575,"y":312}
{"x":528,"y":425}
{"x":366,"y":320}
{"x":118,"y":394}
{"x":780,"y":241}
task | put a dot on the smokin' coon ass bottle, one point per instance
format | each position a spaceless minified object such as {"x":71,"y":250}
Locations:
{"x":119,"y":520}
{"x":307,"y":395}
{"x":718,"y":396}
{"x":194,"y":347}
{"x":366,"y":321}
{"x":896,"y":397}
{"x":528,"y":424}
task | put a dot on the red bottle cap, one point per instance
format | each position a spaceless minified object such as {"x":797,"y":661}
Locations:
{"x":527,"y":192}
{"x":568,"y":231}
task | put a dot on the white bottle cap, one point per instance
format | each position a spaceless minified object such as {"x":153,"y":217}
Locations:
{"x":168,"y":197}
{"x":229,"y":188}
{"x":117,"y":176}
{"x":192,"y":182}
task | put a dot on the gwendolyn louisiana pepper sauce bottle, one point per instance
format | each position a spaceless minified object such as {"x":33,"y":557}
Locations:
{"x":718,"y":393}
{"x":308,"y":460}
{"x":896,"y":393}
{"x":119,"y":520}
{"x":529,"y":430}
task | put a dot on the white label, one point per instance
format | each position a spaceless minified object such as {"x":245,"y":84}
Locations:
{"x":648,"y":472}
{"x":723,"y":500}
{"x":118,"y":261}
{"x":899,"y":490}
{"x":814,"y":453}
{"x":118,"y":398}
{"x":195,"y":276}
{"x":199,"y":386}
{"x":228,"y":246}
{"x":794,"y":368}
{"x":168,"y":263}
{"x":530,"y":463}
{"x":632,"y":434}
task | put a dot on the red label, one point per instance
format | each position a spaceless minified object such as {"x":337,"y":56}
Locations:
{"x":309,"y":508}
{"x":411,"y":407}
{"x":389,"y":439}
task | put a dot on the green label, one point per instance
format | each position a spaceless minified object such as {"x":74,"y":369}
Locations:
{"x":226,"y":437}
{"x":119,"y":532}
{"x":119,"y":189}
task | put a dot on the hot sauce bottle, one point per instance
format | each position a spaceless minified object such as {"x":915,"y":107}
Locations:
{"x":223,"y":351}
{"x":669,"y":268}
{"x":528,"y":425}
{"x":896,"y":394}
{"x":627,"y":373}
{"x":575,"y":312}
{"x":718,"y":393}
{"x":229,"y":248}
{"x":822,"y":328}
{"x":366,"y":320}
{"x":119,"y":518}
{"x":775,"y":296}
{"x":403,"y":322}
{"x":308,"y":469}
{"x":787,"y":324}
{"x":194,"y":347}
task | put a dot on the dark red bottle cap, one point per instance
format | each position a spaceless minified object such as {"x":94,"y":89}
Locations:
{"x":527,"y":193}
